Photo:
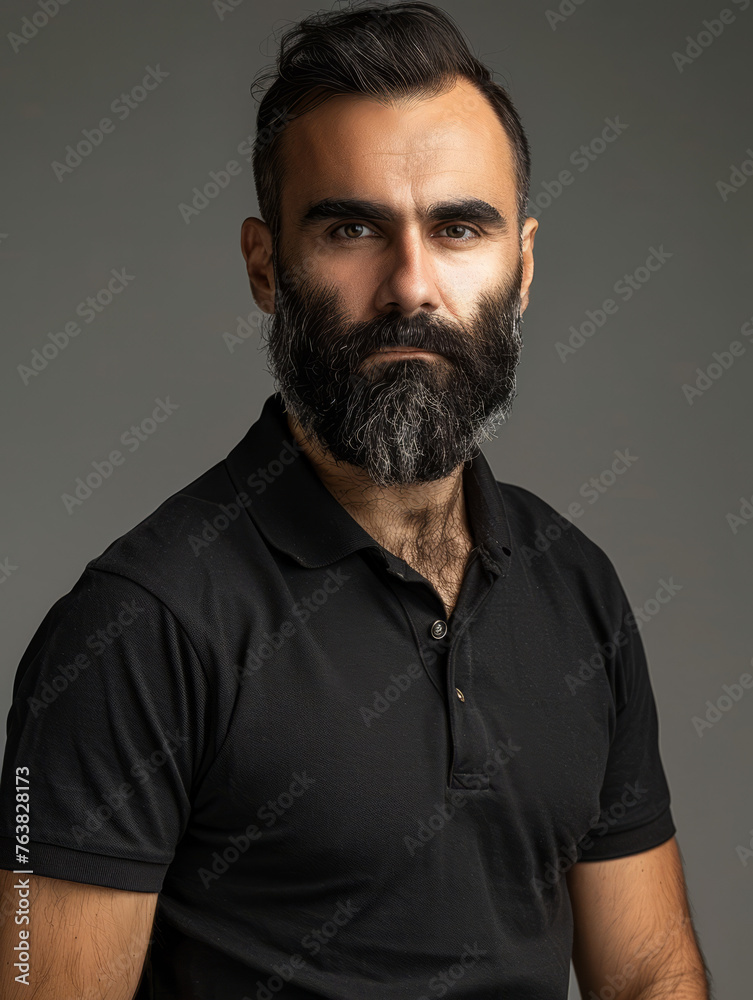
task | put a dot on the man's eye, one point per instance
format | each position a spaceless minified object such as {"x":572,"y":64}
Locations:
{"x":350,"y":225}
{"x":466,"y":228}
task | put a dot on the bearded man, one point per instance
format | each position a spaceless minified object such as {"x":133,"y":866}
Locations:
{"x":368,"y":723}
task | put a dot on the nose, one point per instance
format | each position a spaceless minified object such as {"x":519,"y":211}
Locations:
{"x":408,"y":282}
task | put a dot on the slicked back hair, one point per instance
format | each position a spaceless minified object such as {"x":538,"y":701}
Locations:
{"x":384,"y":51}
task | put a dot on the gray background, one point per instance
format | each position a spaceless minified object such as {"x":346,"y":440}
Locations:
{"x":665,"y":518}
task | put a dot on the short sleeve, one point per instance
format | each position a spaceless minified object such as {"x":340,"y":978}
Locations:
{"x":108,"y":717}
{"x":635,"y":812}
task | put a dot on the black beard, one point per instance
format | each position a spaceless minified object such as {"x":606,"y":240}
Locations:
{"x":401,"y":421}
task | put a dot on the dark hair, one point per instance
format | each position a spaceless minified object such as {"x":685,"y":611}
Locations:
{"x":387,"y":51}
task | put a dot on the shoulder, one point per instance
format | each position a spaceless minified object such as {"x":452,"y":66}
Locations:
{"x":148,"y":615}
{"x":548,"y":542}
{"x":184,"y":549}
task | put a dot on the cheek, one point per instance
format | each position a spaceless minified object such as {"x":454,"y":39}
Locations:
{"x":461,"y":285}
{"x":348,"y":274}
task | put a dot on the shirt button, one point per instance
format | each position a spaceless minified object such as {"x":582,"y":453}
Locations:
{"x":460,"y":694}
{"x":438,"y":630}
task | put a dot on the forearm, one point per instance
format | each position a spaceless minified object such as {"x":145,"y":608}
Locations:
{"x":633,"y":933}
{"x":691,"y":984}
{"x":685,"y":978}
{"x":667,"y":966}
{"x":684,"y":986}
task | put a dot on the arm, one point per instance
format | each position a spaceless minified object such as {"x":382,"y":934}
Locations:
{"x":633,"y":932}
{"x":85,"y":941}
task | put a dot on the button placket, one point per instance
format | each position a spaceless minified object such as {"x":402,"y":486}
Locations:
{"x":466,"y":716}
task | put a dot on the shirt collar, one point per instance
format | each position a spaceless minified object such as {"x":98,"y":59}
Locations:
{"x":297,"y":514}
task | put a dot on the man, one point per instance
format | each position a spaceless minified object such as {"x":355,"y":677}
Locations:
{"x":351,"y":717}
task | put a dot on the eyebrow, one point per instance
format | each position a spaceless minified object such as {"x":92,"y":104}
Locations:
{"x":469,"y":209}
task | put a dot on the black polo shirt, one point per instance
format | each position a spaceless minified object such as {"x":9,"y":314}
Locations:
{"x":247,"y":704}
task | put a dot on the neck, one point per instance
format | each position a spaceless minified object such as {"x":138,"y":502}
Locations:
{"x":406,"y":520}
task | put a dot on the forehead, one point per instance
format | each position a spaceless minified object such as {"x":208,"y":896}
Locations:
{"x":414,"y":151}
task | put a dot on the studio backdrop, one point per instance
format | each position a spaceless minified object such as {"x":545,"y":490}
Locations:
{"x":129,"y":327}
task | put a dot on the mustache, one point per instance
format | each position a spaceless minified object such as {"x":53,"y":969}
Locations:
{"x":422,"y":332}
{"x":321,"y":330}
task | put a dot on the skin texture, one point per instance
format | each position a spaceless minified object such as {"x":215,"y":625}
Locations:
{"x":631,"y":914}
{"x":86,"y":941}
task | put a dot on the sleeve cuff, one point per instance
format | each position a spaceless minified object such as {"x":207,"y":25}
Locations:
{"x":620,"y":843}
{"x":52,"y":861}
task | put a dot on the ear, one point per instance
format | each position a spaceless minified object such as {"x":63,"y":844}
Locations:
{"x":527,"y":237}
{"x":256,"y":246}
